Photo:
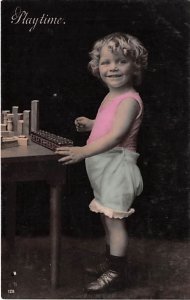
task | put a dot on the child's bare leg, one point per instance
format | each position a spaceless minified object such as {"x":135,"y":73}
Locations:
{"x":118,"y":236}
{"x":107,"y":237}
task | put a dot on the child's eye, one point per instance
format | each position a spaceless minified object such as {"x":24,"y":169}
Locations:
{"x":106,"y":62}
{"x":123,"y":61}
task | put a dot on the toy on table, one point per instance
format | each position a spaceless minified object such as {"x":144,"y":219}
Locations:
{"x":17,"y":128}
{"x":49,"y":140}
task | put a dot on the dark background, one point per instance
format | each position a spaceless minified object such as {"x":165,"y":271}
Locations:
{"x":50,"y":64}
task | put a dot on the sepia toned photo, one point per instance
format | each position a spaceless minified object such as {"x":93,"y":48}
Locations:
{"x":95,"y":149}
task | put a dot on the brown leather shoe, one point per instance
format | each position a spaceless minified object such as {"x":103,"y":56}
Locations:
{"x":99,"y":269}
{"x":108,"y":281}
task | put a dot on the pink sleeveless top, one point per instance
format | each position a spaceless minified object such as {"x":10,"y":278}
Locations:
{"x":105,"y":116}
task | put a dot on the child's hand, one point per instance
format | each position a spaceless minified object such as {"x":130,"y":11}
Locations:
{"x":71,"y":154}
{"x":83,"y":124}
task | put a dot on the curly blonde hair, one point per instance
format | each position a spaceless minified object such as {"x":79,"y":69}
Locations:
{"x":128,"y":44}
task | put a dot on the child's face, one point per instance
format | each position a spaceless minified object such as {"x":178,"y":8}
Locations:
{"x":116,"y":70}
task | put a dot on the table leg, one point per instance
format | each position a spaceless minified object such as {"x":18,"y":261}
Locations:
{"x":55,"y":232}
{"x":10,"y":216}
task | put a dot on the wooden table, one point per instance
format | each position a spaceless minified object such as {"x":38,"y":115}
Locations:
{"x":28,"y":163}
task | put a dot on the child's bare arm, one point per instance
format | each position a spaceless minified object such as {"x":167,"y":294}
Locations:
{"x":84,"y":124}
{"x":126,"y":114}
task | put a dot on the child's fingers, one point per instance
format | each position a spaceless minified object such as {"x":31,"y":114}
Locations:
{"x":63,"y":150}
{"x":65,"y":159}
{"x":80,"y":124}
{"x":80,"y":121}
{"x":77,"y":121}
{"x":80,"y":127}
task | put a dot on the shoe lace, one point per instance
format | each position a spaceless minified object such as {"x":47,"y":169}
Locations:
{"x":107,"y":276}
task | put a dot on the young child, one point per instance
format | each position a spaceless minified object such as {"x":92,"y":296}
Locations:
{"x":110,"y":153}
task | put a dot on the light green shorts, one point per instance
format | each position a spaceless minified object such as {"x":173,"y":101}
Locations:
{"x":116,"y":181}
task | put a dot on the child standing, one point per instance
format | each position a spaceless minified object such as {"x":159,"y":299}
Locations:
{"x":110,"y":153}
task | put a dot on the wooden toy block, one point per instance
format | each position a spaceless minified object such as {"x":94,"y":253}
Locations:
{"x":3,"y":127}
{"x":9,"y":125}
{"x":10,"y":117}
{"x":35,"y":115}
{"x":20,"y":116}
{"x":15,"y":119}
{"x":4,"y":116}
{"x":7,"y":133}
{"x":22,"y":140}
{"x":26,"y":125}
{"x":20,"y":127}
{"x":9,"y":142}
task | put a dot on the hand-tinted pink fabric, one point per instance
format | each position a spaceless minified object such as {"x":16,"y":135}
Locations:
{"x":105,"y":117}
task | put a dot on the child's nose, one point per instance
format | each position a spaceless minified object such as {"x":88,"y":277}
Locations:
{"x":113,"y":67}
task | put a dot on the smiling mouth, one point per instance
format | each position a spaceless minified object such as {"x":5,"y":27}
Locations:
{"x":114,"y":76}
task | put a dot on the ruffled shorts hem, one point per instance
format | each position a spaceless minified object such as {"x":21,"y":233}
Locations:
{"x":96,"y":207}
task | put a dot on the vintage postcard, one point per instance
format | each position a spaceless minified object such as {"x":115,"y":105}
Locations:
{"x":95,"y":149}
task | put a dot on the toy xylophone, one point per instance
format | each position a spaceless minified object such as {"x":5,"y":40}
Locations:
{"x":49,"y":140}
